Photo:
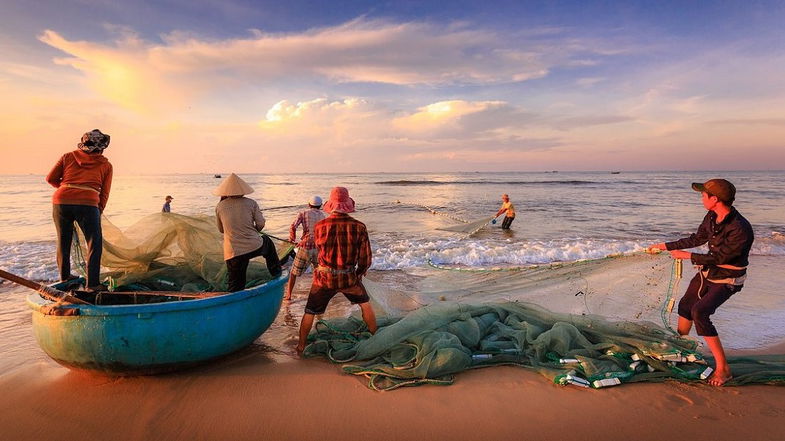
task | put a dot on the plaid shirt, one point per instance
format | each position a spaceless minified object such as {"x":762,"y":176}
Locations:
{"x":343,"y":244}
{"x":307,"y":219}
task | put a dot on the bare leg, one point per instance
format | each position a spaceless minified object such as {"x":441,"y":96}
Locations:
{"x":369,"y":317}
{"x":290,"y":287}
{"x":722,"y":371}
{"x":684,"y":326}
{"x":305,"y":329}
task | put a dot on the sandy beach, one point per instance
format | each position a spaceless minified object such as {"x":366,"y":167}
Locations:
{"x":267,"y":393}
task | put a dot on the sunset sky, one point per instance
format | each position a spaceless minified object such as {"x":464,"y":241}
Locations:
{"x":193,"y":86}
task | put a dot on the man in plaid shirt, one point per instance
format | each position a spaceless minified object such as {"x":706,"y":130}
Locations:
{"x":307,"y":252}
{"x":344,"y":258}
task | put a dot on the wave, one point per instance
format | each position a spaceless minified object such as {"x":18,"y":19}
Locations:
{"x":36,"y":260}
{"x":407,"y":182}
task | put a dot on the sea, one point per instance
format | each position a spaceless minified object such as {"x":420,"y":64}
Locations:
{"x":561,"y":217}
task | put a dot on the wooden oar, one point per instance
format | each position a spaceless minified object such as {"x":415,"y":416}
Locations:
{"x":46,"y":291}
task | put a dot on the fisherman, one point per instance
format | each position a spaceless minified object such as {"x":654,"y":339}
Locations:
{"x":722,"y":270}
{"x":344,"y":257}
{"x":83,"y":179}
{"x":307,"y":254}
{"x":241,"y":221}
{"x":167,"y":208}
{"x":509,"y":211}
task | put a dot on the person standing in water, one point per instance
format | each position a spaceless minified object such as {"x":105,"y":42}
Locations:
{"x":307,"y":254}
{"x":722,"y":270}
{"x":509,"y":211}
{"x":167,"y":208}
{"x":83,"y":179}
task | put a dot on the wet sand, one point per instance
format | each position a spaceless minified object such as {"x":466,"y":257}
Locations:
{"x":265,"y":392}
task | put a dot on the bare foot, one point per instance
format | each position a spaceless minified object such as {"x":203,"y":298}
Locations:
{"x":719,"y":378}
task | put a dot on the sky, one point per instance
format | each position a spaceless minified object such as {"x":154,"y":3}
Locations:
{"x":218,"y":86}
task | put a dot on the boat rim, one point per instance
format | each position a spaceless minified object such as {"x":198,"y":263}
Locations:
{"x":36,"y":302}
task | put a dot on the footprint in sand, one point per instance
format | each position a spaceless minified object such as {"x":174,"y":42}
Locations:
{"x":681,"y":399}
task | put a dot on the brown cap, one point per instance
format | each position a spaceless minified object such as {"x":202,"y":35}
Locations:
{"x":722,"y":189}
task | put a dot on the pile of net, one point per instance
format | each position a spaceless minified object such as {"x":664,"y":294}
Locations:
{"x":169,"y":252}
{"x":430,"y":344}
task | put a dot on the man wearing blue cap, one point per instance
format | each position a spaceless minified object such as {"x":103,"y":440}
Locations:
{"x":722,"y":270}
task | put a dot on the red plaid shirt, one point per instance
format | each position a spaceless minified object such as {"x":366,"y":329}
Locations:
{"x":307,"y":219}
{"x":343,"y":245}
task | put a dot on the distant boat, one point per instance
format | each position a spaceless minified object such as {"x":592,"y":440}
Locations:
{"x":216,"y":175}
{"x":615,"y":173}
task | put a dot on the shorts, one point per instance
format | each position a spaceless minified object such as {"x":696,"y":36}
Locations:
{"x":303,"y":258}
{"x":701,"y":300}
{"x":320,"y":296}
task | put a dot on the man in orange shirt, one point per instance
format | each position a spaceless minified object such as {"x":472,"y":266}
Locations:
{"x":83,"y":179}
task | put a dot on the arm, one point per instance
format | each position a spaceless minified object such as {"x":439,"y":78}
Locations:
{"x":293,"y":227}
{"x":106,"y":186}
{"x":696,"y":239}
{"x":501,"y":210}
{"x":365,"y":255}
{"x":218,"y":219}
{"x":258,"y":217}
{"x":55,"y":175}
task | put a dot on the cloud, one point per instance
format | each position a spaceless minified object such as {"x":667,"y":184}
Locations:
{"x":142,"y":74}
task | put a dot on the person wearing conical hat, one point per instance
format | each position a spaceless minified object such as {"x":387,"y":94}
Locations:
{"x":83,"y":179}
{"x":344,"y":257}
{"x":240,"y":220}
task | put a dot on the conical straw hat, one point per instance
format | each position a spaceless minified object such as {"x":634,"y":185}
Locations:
{"x":233,"y":185}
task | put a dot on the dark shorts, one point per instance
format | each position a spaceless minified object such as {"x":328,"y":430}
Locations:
{"x":320,"y":296}
{"x":507,"y":222}
{"x":701,"y":300}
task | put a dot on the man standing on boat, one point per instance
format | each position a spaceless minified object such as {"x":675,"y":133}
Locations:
{"x":307,"y":254}
{"x":240,"y":220}
{"x":722,"y":270}
{"x":83,"y":179}
{"x":344,"y":258}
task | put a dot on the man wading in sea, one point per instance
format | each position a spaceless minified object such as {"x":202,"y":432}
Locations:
{"x":344,"y":257}
{"x":509,"y":212}
{"x":722,"y":270}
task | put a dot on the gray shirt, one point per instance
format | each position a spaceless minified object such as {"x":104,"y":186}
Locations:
{"x":240,"y":220}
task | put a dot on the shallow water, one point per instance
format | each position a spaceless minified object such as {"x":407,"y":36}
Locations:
{"x":561,"y":217}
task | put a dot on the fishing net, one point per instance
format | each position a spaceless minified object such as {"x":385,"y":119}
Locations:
{"x":468,"y":227}
{"x":168,"y":252}
{"x":594,"y":324}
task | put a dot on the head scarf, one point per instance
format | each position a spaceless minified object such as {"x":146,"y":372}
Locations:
{"x":94,"y":141}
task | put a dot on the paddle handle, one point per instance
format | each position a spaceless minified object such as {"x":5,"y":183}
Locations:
{"x":47,"y":291}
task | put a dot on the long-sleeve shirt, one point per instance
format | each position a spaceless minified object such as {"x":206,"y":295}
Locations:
{"x":307,"y":219}
{"x":240,"y":220}
{"x":81,"y":179}
{"x":343,"y":245}
{"x":729,"y":242}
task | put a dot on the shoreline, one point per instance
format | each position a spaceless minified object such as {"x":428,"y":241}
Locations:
{"x":265,"y":392}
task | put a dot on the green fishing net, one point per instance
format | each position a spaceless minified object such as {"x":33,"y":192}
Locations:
{"x":169,"y":252}
{"x":593,"y":324}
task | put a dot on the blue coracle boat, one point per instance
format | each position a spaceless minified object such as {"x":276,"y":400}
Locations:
{"x":150,"y":338}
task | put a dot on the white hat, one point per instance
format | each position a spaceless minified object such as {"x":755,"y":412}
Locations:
{"x":315,"y":201}
{"x":233,"y":185}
